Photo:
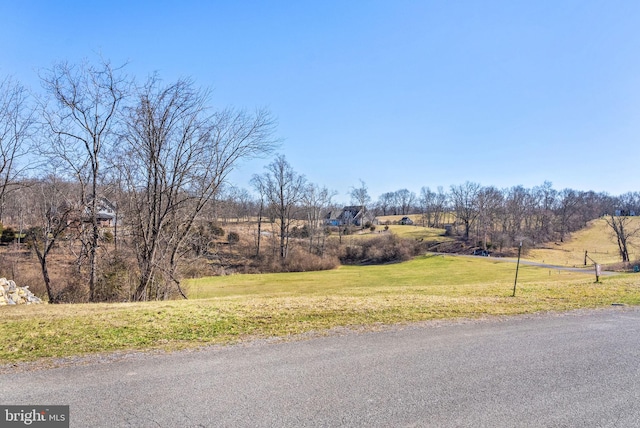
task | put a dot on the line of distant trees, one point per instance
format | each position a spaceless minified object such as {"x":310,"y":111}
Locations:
{"x":486,"y":216}
{"x":505,"y":217}
{"x":159,"y":155}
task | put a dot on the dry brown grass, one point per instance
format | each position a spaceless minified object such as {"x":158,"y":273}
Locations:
{"x":597,"y":239}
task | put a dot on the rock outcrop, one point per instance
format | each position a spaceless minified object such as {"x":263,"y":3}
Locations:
{"x":11,"y":294}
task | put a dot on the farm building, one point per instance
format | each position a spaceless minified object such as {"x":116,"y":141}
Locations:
{"x":406,"y":221}
{"x":625,"y":213}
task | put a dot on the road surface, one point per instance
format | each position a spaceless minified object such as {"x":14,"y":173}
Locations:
{"x":580,"y":369}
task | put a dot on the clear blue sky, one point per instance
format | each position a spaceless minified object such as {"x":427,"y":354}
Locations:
{"x":399,"y":94}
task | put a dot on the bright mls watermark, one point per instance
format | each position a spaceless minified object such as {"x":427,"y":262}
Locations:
{"x":34,"y":416}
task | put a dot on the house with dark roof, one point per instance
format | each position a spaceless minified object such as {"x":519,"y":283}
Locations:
{"x":406,"y":221}
{"x":352,"y":215}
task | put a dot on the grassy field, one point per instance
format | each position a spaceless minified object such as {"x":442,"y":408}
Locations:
{"x":234,"y":308}
{"x":419,"y":232}
{"x":597,"y":239}
{"x":416,"y":218}
{"x":410,"y":232}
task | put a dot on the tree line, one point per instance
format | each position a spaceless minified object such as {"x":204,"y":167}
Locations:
{"x":497,"y":218}
{"x":159,"y":155}
{"x":493,"y":218}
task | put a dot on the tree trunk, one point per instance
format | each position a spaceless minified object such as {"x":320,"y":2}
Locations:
{"x":42,"y":258}
{"x":259,"y":229}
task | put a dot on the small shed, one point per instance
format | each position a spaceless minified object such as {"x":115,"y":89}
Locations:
{"x":406,"y":221}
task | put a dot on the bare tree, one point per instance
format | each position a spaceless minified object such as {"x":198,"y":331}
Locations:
{"x":515,"y":212}
{"x":51,"y":215}
{"x":405,"y":199}
{"x":258,"y":183}
{"x":385,"y":202}
{"x":595,"y":205}
{"x":623,"y":231}
{"x":440,"y":207}
{"x":241,"y":203}
{"x":317,"y":202}
{"x":546,"y":197}
{"x":80,"y":126}
{"x":427,"y":198}
{"x":176,"y":157}
{"x":567,"y":208}
{"x":285,"y":191}
{"x":433,"y":206}
{"x":489,"y":202}
{"x":465,"y":204}
{"x":16,"y":124}
{"x":360,"y":197}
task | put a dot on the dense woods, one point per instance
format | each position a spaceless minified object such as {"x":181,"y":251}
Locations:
{"x":119,"y":189}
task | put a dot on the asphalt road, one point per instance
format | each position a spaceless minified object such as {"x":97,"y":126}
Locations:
{"x":579,"y":369}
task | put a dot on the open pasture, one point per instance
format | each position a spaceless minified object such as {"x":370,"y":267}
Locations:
{"x":243,"y":307}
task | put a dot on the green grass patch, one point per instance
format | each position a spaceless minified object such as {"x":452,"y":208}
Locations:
{"x":432,"y":273}
{"x":419,"y":232}
{"x":233,"y":308}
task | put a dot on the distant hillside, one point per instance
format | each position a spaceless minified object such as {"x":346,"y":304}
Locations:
{"x":597,"y":239}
